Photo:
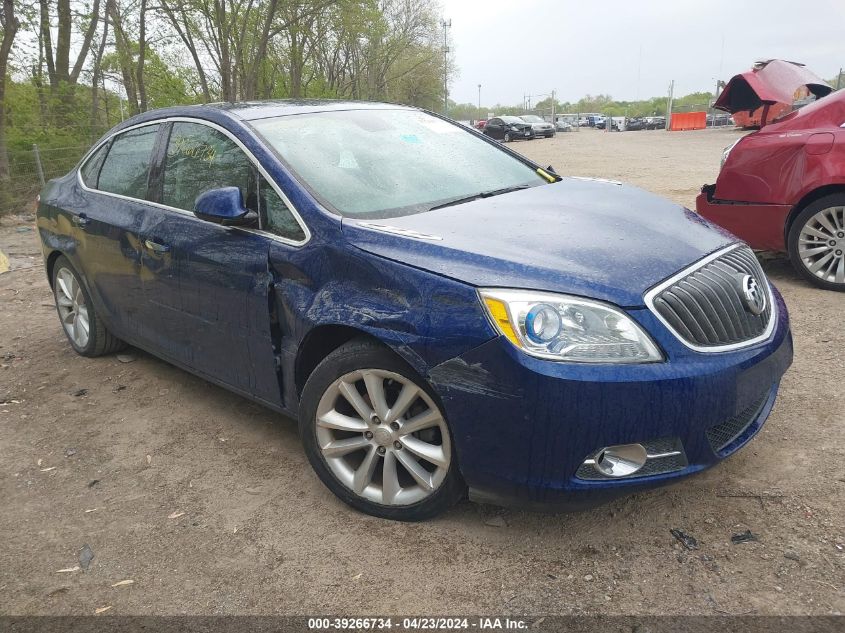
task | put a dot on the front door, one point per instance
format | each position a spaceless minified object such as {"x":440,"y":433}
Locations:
{"x":210,"y":284}
{"x":495,"y":129}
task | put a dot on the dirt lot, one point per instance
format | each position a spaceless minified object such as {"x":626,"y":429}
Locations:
{"x":207,"y":502}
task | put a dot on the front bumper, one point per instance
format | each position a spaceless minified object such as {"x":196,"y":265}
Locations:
{"x":762,"y":226}
{"x":523,"y":426}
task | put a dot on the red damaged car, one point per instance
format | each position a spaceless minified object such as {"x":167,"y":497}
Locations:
{"x":782,"y":188}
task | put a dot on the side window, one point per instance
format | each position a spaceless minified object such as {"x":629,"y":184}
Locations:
{"x":277,"y":217}
{"x":127,"y":165}
{"x":90,"y":171}
{"x":200,"y":158}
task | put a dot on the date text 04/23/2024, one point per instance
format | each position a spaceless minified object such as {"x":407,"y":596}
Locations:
{"x":417,"y":624}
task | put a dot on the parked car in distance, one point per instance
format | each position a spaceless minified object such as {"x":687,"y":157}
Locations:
{"x":571,"y":119}
{"x":596,"y":120}
{"x":655,"y":123}
{"x":540,"y":126}
{"x":782,"y":188}
{"x":719,"y":120}
{"x":618,"y":123}
{"x":480,"y":124}
{"x":469,"y":322}
{"x":563,"y":126}
{"x":508,"y":128}
{"x":635,"y":124}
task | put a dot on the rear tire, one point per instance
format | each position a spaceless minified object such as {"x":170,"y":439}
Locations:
{"x":83,"y":327}
{"x":816,"y":242}
{"x":376,"y":435}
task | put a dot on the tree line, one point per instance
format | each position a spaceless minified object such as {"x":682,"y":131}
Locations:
{"x":70,"y":69}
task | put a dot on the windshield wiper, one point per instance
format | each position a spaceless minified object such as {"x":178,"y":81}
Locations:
{"x":477,"y":196}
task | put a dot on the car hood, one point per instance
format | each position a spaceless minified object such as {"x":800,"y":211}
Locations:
{"x":590,"y":238}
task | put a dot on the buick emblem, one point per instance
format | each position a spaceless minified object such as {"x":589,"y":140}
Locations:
{"x":752,"y":294}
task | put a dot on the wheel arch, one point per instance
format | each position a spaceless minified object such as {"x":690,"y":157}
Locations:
{"x":323,"y":339}
{"x":50,"y":264}
{"x":808,"y":199}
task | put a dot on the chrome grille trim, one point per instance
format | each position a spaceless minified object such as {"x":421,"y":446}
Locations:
{"x":704,"y":289}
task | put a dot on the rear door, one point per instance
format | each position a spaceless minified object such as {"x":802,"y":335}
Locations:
{"x":209,"y":284}
{"x":106,"y":224}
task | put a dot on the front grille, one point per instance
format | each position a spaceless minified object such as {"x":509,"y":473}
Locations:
{"x":706,"y":307}
{"x":723,"y":435}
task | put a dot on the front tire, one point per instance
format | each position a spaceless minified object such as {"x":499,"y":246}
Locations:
{"x":83,"y":327}
{"x":376,"y":435}
{"x":507,"y":137}
{"x":816,"y":242}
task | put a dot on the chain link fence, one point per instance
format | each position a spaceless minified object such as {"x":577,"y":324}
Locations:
{"x":30,"y":169}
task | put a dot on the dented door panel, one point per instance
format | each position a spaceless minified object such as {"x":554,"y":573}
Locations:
{"x":208,"y":287}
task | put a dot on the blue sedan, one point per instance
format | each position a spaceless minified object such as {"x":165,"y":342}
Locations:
{"x":442,"y":315}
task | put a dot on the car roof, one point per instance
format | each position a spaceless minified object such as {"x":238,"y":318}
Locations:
{"x":253,"y":110}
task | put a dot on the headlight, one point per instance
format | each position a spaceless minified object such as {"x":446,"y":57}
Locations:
{"x":727,"y":151}
{"x":564,"y":328}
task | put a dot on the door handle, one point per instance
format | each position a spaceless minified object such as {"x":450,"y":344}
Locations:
{"x":81,"y":220}
{"x":156,"y":247}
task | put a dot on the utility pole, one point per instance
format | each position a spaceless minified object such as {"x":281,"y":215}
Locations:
{"x":446,"y":24}
{"x":480,"y":114}
{"x":839,"y":80}
{"x":553,"y":110}
{"x":669,"y":104}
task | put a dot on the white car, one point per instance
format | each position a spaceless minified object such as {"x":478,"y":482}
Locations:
{"x":539,"y":125}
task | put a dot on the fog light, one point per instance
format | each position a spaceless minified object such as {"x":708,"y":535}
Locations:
{"x":621,"y":460}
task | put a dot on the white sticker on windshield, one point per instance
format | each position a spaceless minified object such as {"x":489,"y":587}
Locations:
{"x":436,"y":125}
{"x":347,"y":160}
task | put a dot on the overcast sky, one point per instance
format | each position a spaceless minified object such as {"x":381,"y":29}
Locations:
{"x":631,"y":49}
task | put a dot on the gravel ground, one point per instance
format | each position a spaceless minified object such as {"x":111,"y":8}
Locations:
{"x":206,"y":502}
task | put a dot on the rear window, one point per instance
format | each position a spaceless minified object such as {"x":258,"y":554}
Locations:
{"x":127,"y":165}
{"x":90,"y":171}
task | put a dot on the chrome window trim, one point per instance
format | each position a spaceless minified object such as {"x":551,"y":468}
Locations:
{"x":243,"y":148}
{"x":651,"y":294}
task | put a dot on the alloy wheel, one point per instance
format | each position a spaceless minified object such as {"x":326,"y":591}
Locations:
{"x":821,"y":245}
{"x":73,"y":311}
{"x":383,"y":437}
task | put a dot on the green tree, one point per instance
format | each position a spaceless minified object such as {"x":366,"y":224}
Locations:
{"x":9,"y":24}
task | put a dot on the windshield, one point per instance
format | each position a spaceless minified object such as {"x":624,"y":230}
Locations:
{"x":388,"y":163}
{"x":512,"y":119}
{"x":532,"y":118}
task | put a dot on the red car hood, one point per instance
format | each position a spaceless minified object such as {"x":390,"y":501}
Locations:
{"x":775,"y":82}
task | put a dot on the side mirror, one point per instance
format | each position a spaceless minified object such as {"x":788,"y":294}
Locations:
{"x":222,"y":206}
